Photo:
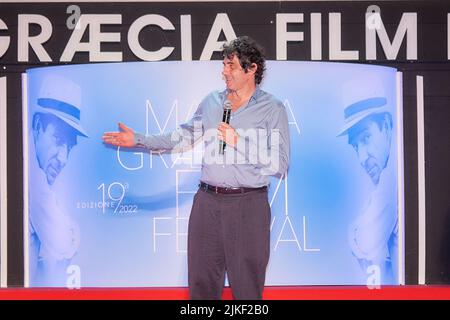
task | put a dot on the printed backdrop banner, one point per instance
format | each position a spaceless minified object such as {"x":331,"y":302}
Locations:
{"x":3,"y":193}
{"x":105,"y":216}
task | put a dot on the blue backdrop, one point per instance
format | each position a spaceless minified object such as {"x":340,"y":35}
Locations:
{"x":131,"y":208}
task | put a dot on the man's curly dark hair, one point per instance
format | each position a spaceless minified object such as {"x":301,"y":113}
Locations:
{"x":248,"y":51}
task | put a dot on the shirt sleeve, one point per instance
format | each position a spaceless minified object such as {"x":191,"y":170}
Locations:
{"x":181,"y":139}
{"x":268,"y":150}
{"x":370,"y":233}
{"x":58,"y":233}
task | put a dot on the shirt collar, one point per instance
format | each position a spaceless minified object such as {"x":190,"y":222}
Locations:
{"x":254,"y":96}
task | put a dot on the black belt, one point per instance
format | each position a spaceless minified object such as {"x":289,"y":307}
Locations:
{"x":226,"y":190}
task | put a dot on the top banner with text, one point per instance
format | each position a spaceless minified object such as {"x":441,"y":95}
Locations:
{"x":111,"y":32}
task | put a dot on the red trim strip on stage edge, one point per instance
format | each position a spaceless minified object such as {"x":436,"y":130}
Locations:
{"x":270,"y":293}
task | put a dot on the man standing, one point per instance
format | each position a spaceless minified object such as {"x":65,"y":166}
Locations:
{"x":229,"y":225}
{"x":373,"y":234}
{"x":53,"y":235}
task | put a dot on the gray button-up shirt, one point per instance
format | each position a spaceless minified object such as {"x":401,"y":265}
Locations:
{"x":262,"y":149}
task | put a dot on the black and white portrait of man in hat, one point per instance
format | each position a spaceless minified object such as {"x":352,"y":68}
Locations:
{"x":373,"y":234}
{"x":56,"y":126}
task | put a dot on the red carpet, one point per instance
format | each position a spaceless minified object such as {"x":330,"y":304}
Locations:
{"x":270,"y":293}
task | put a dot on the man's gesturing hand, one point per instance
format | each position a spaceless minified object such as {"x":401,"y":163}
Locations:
{"x":124,"y":138}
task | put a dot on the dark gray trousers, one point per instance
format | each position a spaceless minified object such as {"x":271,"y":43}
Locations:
{"x":228,"y":233}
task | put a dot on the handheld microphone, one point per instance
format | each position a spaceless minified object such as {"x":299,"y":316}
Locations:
{"x":225,"y":118}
